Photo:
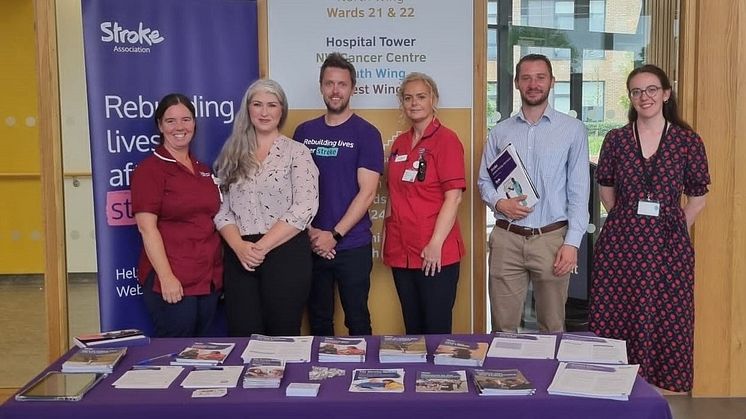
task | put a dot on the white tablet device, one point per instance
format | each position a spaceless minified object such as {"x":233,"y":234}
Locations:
{"x":60,"y":386}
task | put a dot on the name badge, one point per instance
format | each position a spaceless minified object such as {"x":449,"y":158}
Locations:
{"x":401,"y":158}
{"x":409,"y":175}
{"x":648,"y":207}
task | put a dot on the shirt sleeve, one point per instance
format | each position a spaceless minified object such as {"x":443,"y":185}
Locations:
{"x":697,"y":175}
{"x":225,"y":214}
{"x":605,"y":169}
{"x":578,"y":187}
{"x":147,"y":188}
{"x":450,"y":164}
{"x":484,"y":182}
{"x":304,"y":176}
{"x":371,"y":150}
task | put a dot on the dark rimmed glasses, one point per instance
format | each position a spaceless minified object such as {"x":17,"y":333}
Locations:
{"x":651,"y":91}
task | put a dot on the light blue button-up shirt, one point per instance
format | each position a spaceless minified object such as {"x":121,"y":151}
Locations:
{"x":555,"y":153}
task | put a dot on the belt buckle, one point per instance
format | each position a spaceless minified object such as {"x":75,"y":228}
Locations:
{"x":527,"y":230}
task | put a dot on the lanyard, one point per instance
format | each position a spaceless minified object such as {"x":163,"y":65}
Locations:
{"x":647,"y":172}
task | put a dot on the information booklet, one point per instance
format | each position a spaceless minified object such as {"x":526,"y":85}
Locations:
{"x":333,"y":349}
{"x":453,"y":352}
{"x":441,"y":382}
{"x":112,"y":339}
{"x":148,"y":377}
{"x":522,"y":345}
{"x":576,"y":379}
{"x":592,"y":349}
{"x":510,"y":177}
{"x":502,"y":383}
{"x":378,"y":381}
{"x":101,"y":360}
{"x":401,"y":349}
{"x":286,"y":348}
{"x":264,"y":373}
{"x":204,"y":354}
{"x":213,"y":377}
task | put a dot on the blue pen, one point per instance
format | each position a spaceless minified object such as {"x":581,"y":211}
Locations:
{"x":150,"y":360}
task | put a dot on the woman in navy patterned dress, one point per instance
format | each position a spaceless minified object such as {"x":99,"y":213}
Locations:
{"x":642,"y":287}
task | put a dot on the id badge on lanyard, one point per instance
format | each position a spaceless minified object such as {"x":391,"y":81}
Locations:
{"x":647,"y":206}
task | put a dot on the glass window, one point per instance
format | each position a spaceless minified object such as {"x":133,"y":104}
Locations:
{"x":593,"y":101}
{"x":597,"y":16}
{"x":561,"y":96}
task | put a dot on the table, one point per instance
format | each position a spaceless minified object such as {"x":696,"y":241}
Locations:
{"x":104,"y":401}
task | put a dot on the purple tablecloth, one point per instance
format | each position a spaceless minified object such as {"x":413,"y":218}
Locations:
{"x":334,"y":400}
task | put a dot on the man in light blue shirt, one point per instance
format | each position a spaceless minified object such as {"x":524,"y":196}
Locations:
{"x":538,"y":244}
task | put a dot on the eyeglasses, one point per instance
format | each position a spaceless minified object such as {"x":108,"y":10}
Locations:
{"x":650,"y":91}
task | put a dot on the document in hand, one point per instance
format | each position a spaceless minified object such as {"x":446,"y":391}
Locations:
{"x":522,"y":345}
{"x":580,"y":348}
{"x":510,"y":177}
{"x":612,"y":382}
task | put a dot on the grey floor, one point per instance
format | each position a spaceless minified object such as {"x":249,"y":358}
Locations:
{"x":23,"y":339}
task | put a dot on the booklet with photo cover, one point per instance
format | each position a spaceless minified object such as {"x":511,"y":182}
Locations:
{"x":378,"y":381}
{"x":510,"y":177}
{"x":204,"y":354}
{"x":441,"y":382}
{"x":502,"y":383}
{"x":101,"y":360}
{"x":454,"y":352}
{"x":402,"y":349}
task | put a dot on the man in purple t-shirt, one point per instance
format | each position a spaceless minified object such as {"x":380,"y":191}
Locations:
{"x":349,"y":154}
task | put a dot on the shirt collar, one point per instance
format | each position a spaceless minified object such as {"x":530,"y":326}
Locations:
{"x":162,"y":153}
{"x":549,"y":114}
{"x":429,"y":130}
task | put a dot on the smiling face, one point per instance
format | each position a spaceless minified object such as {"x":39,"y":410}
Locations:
{"x":177,"y":126}
{"x":647,"y":105}
{"x":418,"y":101}
{"x":534,"y":82}
{"x":265,"y":111}
{"x":336,"y":89}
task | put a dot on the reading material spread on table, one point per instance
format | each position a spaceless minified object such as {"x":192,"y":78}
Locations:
{"x":287,"y":348}
{"x":522,"y":345}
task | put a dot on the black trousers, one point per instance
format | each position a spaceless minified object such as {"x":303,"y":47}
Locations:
{"x":427,"y":301}
{"x":271,"y":299}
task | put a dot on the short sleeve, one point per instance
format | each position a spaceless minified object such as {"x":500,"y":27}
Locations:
{"x":225,"y":215}
{"x":148,"y":184}
{"x":371,"y":150}
{"x":450,"y":163}
{"x":605,"y":170}
{"x":697,"y":174}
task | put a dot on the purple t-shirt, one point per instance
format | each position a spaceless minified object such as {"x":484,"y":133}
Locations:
{"x":338,"y":152}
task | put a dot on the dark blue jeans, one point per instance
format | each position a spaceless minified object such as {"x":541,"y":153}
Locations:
{"x":350,"y":269}
{"x":190,"y":317}
{"x":427,"y":301}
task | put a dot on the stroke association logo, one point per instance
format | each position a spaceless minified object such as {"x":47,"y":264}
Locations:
{"x":125,"y":40}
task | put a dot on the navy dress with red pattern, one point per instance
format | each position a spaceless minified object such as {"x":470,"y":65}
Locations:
{"x":642,"y":287}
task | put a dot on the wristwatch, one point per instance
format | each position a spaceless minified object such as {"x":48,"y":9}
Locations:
{"x":337,"y":235}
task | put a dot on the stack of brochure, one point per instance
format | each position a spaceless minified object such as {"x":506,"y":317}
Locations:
{"x":101,"y":360}
{"x":402,"y":349}
{"x":592,"y":349}
{"x":333,"y":349}
{"x":576,"y":379}
{"x":112,"y":339}
{"x":453,"y":352}
{"x":378,"y":381}
{"x":515,"y":345}
{"x":206,"y":354}
{"x":264,"y":373}
{"x":502,"y":383}
{"x":302,"y":389}
{"x":213,"y":377}
{"x":286,"y":348}
{"x":441,"y":382}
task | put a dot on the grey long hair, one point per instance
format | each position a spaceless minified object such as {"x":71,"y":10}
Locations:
{"x":237,"y":159}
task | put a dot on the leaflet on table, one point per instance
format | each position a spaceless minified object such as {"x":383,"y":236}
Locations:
{"x":101,"y":360}
{"x":522,"y":345}
{"x":389,"y":380}
{"x":402,"y":349}
{"x":613,"y":382}
{"x":149,"y":377}
{"x":510,"y":382}
{"x":213,"y":377}
{"x":111,"y":339}
{"x":264,"y":373}
{"x":454,"y":352}
{"x":580,"y":348}
{"x":204,"y":354}
{"x":510,"y":177}
{"x":286,"y":348}
{"x":441,"y":382}
{"x":334,"y":349}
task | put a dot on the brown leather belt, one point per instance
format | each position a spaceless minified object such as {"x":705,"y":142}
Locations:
{"x":528,"y":231}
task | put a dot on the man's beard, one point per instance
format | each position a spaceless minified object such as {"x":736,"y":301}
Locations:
{"x":535,"y":102}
